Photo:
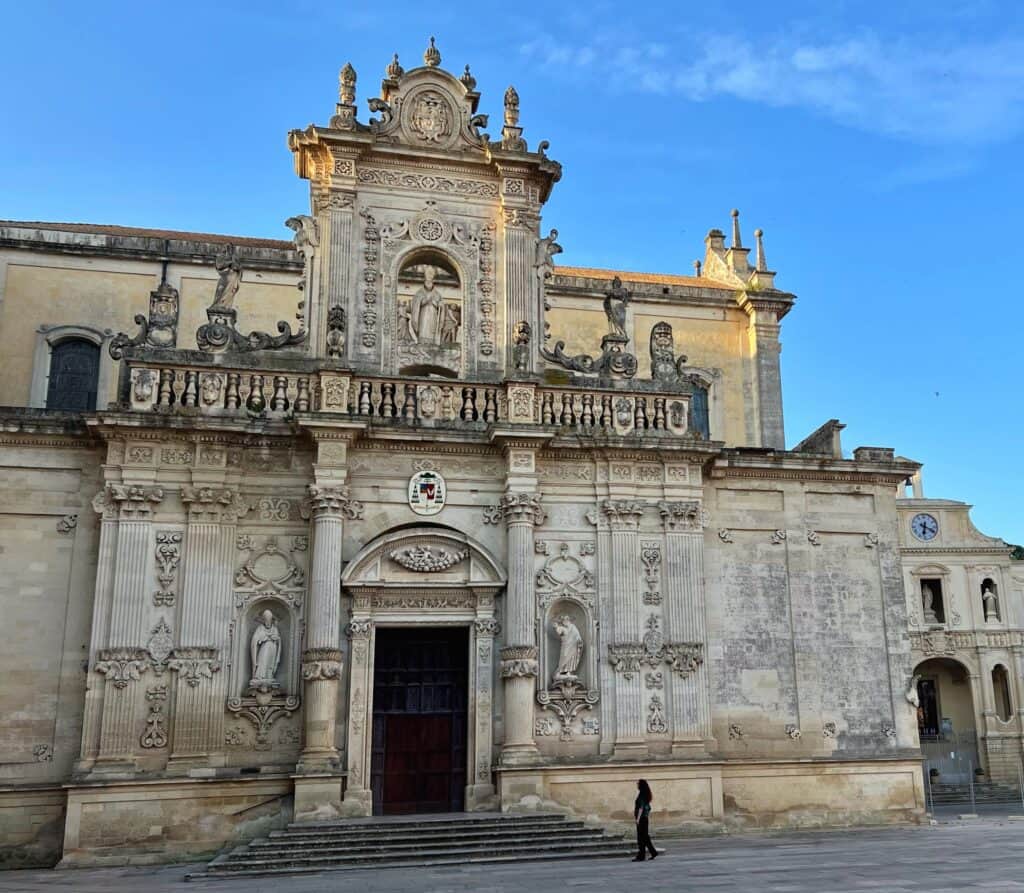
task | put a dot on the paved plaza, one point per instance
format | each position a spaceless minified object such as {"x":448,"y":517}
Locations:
{"x":985,"y":854}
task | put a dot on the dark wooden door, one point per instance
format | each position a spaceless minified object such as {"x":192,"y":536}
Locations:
{"x":419,"y":720}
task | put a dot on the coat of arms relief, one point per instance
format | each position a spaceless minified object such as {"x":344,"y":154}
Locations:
{"x":431,"y":117}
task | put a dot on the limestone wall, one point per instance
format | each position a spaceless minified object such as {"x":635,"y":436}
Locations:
{"x":48,"y":540}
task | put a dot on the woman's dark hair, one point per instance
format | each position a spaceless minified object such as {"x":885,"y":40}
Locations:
{"x":645,"y":791}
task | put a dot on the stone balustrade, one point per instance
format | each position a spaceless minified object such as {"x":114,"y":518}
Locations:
{"x":299,"y":386}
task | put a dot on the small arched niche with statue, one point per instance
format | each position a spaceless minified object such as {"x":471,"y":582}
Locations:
{"x":429,"y":309}
{"x":568,"y":684}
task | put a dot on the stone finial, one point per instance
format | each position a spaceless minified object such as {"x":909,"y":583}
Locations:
{"x":736,"y":241}
{"x":347,"y":85}
{"x":394,"y":70}
{"x":696,"y":268}
{"x":759,"y":260}
{"x":432,"y":56}
{"x":468,"y":80}
{"x":511,"y":107}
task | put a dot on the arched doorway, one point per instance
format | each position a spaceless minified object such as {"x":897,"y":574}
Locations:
{"x":947,"y":720}
{"x":421,"y":685}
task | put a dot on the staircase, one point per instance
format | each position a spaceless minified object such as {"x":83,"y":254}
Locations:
{"x":984,"y":792}
{"x":456,"y":839}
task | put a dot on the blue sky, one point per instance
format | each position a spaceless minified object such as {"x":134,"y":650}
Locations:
{"x":879,"y":146}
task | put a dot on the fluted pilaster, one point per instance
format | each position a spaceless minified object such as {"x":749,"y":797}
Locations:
{"x":521,"y":284}
{"x":685,"y":627}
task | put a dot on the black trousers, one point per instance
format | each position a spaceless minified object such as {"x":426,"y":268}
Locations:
{"x":643,"y":839}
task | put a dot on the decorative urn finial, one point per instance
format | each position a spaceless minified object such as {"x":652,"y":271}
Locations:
{"x":432,"y":57}
{"x":394,"y":70}
{"x":347,"y":85}
{"x":511,"y":107}
{"x":468,"y":80}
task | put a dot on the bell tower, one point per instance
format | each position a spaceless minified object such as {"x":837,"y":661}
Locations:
{"x":424,"y":254}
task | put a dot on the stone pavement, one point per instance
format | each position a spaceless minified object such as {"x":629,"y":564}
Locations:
{"x":983,"y":855}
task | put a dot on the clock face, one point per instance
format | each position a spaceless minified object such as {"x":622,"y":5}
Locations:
{"x":924,"y":527}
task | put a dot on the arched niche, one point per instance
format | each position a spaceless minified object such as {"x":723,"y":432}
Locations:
{"x":1001,"y":693}
{"x":934,"y":596}
{"x":430,"y":312}
{"x":990,"y":600}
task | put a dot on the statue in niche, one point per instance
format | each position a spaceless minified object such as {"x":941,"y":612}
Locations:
{"x":547,"y":248}
{"x":230,"y":271}
{"x":615,"y":302}
{"x":427,"y":319}
{"x":426,"y":311}
{"x":265,"y":651}
{"x":521,"y":348}
{"x":990,"y":601}
{"x":570,"y":652}
{"x":928,"y":603}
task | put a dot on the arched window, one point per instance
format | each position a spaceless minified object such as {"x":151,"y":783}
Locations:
{"x":74,"y":375}
{"x":1001,"y":690}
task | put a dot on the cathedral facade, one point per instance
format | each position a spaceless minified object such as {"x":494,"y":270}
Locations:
{"x":402,"y":516}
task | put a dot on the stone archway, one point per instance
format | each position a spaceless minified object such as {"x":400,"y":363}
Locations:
{"x":427,"y":576}
{"x":948,"y":717}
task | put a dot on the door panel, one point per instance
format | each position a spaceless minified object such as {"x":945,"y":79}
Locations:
{"x":419,"y":727}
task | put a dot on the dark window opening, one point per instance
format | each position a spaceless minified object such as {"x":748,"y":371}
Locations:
{"x":74,"y":376}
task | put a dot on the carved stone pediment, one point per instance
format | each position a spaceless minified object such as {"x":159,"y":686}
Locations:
{"x":431,"y":559}
{"x":429,"y":108}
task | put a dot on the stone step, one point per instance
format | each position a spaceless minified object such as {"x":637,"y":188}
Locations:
{"x":431,"y":821}
{"x":347,"y":827}
{"x":233,"y":865}
{"x":397,"y":832}
{"x":285,"y":849}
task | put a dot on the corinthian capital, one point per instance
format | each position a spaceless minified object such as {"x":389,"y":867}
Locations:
{"x":518,"y":660}
{"x":333,"y":501}
{"x":623,"y":514}
{"x":682,"y":516}
{"x":517,"y":508}
{"x":321,"y":663}
{"x":133,"y":502}
{"x":213,"y":504}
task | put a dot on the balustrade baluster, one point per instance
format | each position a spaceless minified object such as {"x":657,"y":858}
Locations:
{"x":232,"y":399}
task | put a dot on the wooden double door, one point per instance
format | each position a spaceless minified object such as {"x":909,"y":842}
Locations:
{"x":420,"y":678}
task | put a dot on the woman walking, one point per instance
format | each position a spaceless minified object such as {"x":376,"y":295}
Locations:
{"x":642,"y":812}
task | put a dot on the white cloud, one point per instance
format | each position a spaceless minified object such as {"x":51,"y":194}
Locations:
{"x":959,"y":92}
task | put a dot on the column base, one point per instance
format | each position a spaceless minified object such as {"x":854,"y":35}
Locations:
{"x":184,"y":765}
{"x":317,"y":797}
{"x":481,"y":798}
{"x":520,"y":755}
{"x":357,"y":803}
{"x":318,"y":762}
{"x":630,"y":750}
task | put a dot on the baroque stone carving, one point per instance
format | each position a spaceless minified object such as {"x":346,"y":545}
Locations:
{"x":684,"y":657}
{"x":650,"y":557}
{"x":614,"y":360}
{"x":212,"y":504}
{"x":625,"y":658}
{"x":122,"y":665}
{"x":778,"y":537}
{"x":487,"y":626}
{"x":793,"y":731}
{"x":159,"y":329}
{"x":567,"y":697}
{"x":67,"y":524}
{"x":665,"y":366}
{"x":336,"y":326}
{"x":518,"y":660}
{"x":813,"y":537}
{"x":682,"y":516}
{"x":334,"y":501}
{"x":270,"y":568}
{"x":321,"y":663}
{"x":263,"y":711}
{"x":359,"y":629}
{"x":656,"y":724}
{"x":43,"y":753}
{"x":194,"y":664}
{"x":828,"y":730}
{"x":570,"y":650}
{"x":168,"y":555}
{"x":517,"y":508}
{"x":427,"y":559}
{"x":155,"y":733}
{"x":564,"y":576}
{"x":622,"y":513}
{"x":159,"y":645}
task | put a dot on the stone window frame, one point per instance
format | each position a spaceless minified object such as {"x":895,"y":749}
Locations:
{"x":47,"y":338}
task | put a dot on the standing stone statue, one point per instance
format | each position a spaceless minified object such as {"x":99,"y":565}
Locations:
{"x":230,"y":271}
{"x":426,"y":310}
{"x":615,"y":301}
{"x":570,"y":652}
{"x":928,"y":603}
{"x":547,"y":248}
{"x":265,"y":650}
{"x":990,"y":602}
